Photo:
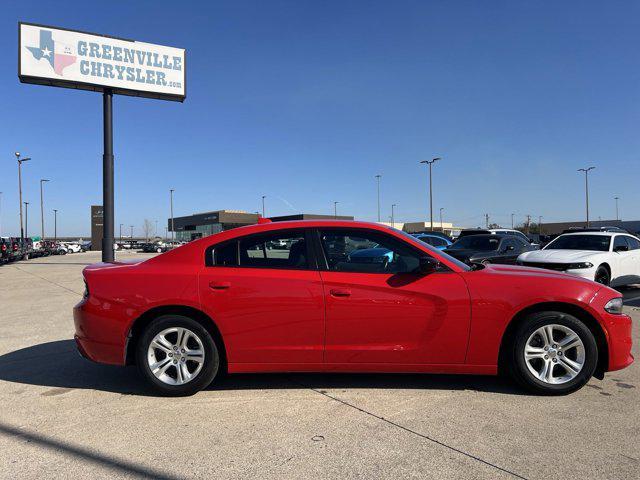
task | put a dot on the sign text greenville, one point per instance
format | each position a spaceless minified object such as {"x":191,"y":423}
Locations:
{"x":67,"y":58}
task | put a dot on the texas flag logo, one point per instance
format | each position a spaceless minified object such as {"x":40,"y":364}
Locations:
{"x":58,"y":55}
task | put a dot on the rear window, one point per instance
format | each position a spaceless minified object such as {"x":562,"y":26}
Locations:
{"x":475,"y":242}
{"x":286,"y":250}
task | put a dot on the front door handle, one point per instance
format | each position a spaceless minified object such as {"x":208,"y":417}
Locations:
{"x":340,"y":292}
{"x":219,"y":285}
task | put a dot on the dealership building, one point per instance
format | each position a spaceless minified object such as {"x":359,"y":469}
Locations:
{"x":200,"y":225}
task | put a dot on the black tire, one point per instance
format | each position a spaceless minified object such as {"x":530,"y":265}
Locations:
{"x":602,"y":275}
{"x":518,"y":365}
{"x":210,"y":366}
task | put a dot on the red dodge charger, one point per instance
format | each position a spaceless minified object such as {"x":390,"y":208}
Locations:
{"x":333,"y":296}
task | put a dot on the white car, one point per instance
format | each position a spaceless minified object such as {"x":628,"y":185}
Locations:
{"x":606,"y":257}
{"x":70,"y":247}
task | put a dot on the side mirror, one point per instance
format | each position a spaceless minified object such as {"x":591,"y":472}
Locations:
{"x":621,"y":248}
{"x":428,"y":265}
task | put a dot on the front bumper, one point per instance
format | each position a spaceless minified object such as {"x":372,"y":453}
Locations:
{"x":588,"y":273}
{"x":618,"y":332}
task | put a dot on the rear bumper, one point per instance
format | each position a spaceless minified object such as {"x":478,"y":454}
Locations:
{"x":98,"y":338}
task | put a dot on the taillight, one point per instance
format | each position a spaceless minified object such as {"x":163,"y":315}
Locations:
{"x":15,"y":247}
{"x":4,"y":247}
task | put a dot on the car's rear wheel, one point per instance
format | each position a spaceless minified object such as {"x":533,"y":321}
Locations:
{"x":602,"y":275}
{"x":553,"y":353}
{"x":177,"y":355}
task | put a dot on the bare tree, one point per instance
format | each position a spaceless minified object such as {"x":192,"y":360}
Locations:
{"x":147,"y":228}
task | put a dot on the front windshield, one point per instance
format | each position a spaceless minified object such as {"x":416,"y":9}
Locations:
{"x":440,"y":253}
{"x":598,"y":243}
{"x":476,"y":242}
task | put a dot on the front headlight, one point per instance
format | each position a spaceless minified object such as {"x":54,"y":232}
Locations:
{"x":573,"y":266}
{"x":614,"y":306}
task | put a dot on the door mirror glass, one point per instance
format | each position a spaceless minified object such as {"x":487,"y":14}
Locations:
{"x":428,"y":265}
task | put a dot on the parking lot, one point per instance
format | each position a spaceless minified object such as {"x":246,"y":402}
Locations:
{"x":63,"y":416}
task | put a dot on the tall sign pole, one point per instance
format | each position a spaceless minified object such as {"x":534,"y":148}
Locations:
{"x":107,"y":178}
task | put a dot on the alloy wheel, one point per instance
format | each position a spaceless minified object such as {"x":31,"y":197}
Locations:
{"x":175,"y":356}
{"x":554,"y":354}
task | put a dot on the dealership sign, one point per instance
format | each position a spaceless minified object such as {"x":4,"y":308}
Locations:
{"x":68,"y":58}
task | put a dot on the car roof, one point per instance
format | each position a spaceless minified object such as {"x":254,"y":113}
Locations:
{"x":489,"y":235}
{"x":602,"y":234}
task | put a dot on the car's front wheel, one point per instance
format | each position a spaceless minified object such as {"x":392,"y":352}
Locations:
{"x":553,"y":353}
{"x":602,"y":275}
{"x":177,"y":355}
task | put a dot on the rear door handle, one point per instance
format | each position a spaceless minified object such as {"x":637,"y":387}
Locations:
{"x":219,"y":285}
{"x":340,"y":292}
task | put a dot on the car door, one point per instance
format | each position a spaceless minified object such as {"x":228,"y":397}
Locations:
{"x":380,"y":311}
{"x":622,"y":259}
{"x":505,"y":254}
{"x":265,"y":294}
{"x":634,"y":248}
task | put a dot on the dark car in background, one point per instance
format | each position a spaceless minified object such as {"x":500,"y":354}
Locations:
{"x":157,"y":247}
{"x":489,"y":248}
{"x":5,"y":249}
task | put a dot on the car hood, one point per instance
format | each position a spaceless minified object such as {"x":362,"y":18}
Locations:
{"x":536,"y":273}
{"x":465,"y":254}
{"x":559,"y":256}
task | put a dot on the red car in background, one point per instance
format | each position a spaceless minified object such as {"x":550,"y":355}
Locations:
{"x":334,"y":296}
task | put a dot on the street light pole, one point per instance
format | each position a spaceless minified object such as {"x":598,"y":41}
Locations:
{"x":441,"y":227}
{"x":26,"y":220}
{"x":586,"y":187}
{"x":20,"y":161}
{"x":616,"y":199}
{"x":335,"y":210}
{"x":393,"y":215}
{"x":172,"y":229}
{"x":540,"y":225}
{"x":263,"y":210}
{"x":131,"y":231}
{"x":378,"y":177}
{"x":430,"y":163}
{"x":42,"y":180}
{"x":55,"y":225}
{"x":512,"y":215}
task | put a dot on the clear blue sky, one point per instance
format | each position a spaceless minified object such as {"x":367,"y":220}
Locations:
{"x":306,"y":101}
